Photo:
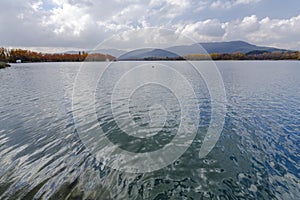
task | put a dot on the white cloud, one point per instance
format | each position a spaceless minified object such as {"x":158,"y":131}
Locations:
{"x":157,"y":37}
{"x":225,"y":4}
{"x":241,"y":28}
{"x":275,"y":32}
{"x":67,"y":19}
{"x":165,"y":11}
{"x":208,"y":30}
{"x":85,"y":23}
{"x":37,"y":5}
{"x":131,"y":14}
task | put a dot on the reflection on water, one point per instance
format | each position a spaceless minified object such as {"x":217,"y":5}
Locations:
{"x":257,"y":156}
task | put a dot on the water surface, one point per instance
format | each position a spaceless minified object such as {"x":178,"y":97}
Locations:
{"x":257,"y":156}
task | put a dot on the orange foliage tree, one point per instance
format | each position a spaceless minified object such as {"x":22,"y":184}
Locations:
{"x":30,"y":56}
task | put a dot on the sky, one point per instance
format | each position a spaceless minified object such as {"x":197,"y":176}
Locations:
{"x":56,"y":25}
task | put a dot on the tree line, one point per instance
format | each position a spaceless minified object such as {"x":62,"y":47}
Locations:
{"x":256,"y":55}
{"x":12,"y":55}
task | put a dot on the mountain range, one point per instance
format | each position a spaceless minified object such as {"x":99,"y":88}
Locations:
{"x":221,"y":47}
{"x":183,"y":50}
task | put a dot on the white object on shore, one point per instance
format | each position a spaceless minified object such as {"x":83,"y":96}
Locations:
{"x":18,"y":61}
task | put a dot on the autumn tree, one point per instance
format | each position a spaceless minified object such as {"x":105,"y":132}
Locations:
{"x":4,"y":54}
{"x":238,"y":56}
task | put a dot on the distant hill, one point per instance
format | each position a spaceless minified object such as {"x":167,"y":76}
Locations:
{"x":221,"y":47}
{"x":144,"y":54}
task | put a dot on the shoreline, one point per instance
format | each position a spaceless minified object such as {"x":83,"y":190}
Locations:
{"x":4,"y":65}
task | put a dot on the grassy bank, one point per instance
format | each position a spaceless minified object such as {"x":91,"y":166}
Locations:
{"x":3,"y":65}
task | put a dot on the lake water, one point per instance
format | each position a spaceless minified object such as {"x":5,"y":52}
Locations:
{"x":43,"y":153}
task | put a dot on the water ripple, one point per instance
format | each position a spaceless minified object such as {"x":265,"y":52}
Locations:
{"x":257,"y":156}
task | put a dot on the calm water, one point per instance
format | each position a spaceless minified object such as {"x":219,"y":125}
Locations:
{"x":256,"y":157}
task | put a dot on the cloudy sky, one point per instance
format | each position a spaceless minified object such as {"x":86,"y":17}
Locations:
{"x":50,"y":25}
